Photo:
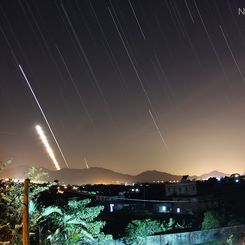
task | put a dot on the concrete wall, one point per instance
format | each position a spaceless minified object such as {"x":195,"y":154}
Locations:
{"x":189,"y":238}
{"x":196,"y":237}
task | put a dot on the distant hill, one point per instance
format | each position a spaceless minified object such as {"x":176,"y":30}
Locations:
{"x":92,"y":175}
{"x":215,"y":174}
{"x":89,"y":176}
{"x":153,"y":175}
{"x":95,"y":175}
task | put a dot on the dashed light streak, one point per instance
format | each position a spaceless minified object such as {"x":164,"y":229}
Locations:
{"x":43,"y":114}
{"x":86,"y":162}
{"x":47,"y":146}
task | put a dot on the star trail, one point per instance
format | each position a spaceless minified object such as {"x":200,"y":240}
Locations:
{"x":125,"y":85}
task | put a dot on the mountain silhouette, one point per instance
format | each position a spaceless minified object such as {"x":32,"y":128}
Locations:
{"x":96,"y":175}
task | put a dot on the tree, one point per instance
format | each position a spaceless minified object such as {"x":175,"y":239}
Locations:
{"x":10,"y":217}
{"x":138,"y":230}
{"x":211,"y":220}
{"x":74,"y":223}
{"x":36,"y":175}
{"x":3,"y":165}
{"x":11,"y":202}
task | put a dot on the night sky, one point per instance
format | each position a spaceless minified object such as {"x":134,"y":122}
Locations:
{"x":129,"y":85}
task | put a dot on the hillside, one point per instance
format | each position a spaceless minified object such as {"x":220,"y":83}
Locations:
{"x":96,"y":175}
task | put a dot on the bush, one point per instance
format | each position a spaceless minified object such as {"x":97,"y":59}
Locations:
{"x":138,"y":230}
{"x":211,"y":220}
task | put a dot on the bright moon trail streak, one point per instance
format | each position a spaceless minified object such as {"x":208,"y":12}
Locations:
{"x":47,"y":146}
{"x":45,"y":118}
